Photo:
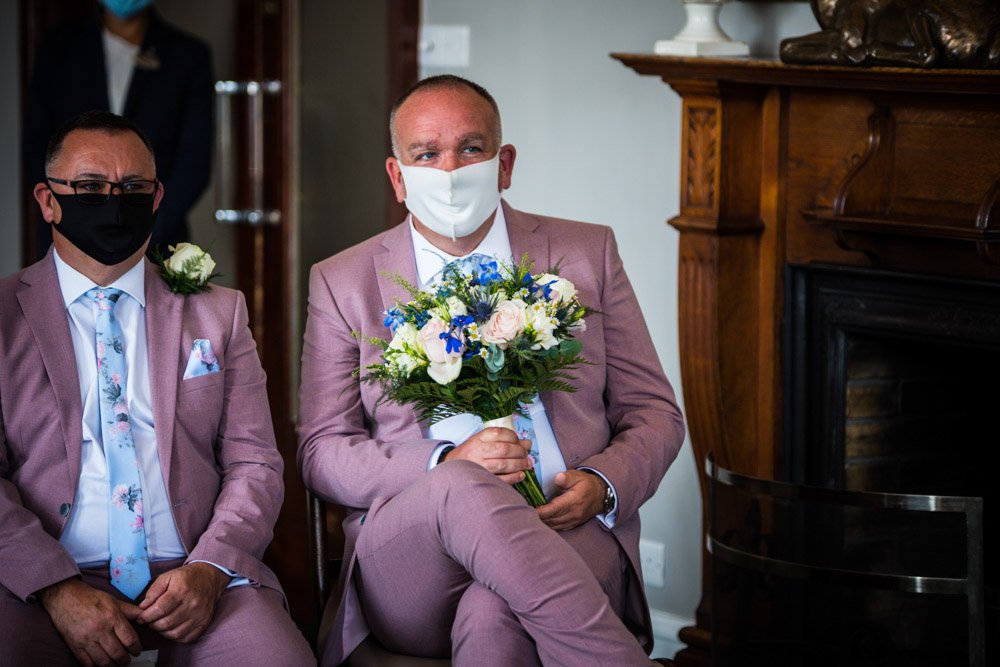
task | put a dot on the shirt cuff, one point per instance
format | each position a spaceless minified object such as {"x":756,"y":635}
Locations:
{"x":439,"y":452}
{"x":611,"y":517}
{"x":236,"y":580}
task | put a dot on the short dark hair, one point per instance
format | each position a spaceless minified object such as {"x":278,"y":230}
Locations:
{"x":442,"y":81}
{"x":102,"y":121}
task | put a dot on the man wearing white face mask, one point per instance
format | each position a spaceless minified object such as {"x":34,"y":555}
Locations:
{"x":442,"y":557}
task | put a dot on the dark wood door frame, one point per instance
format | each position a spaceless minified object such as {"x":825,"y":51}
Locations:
{"x":35,"y":18}
{"x":403,"y":26}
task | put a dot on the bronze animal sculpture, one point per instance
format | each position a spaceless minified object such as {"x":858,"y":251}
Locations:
{"x":901,"y":33}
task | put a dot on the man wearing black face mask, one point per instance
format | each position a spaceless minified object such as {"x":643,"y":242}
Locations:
{"x":139,"y":477}
{"x":125,"y":58}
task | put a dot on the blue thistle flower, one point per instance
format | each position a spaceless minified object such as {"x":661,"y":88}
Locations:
{"x":481,"y":309}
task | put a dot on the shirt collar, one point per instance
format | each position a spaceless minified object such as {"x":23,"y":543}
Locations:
{"x":430,"y":259}
{"x":74,"y":284}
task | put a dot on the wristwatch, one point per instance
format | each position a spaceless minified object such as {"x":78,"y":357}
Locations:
{"x":609,"y":494}
{"x":609,"y":499}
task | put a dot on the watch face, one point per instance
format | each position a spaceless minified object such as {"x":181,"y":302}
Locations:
{"x":609,"y":500}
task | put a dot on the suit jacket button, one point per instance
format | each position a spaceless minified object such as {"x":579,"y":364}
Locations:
{"x":64,"y":509}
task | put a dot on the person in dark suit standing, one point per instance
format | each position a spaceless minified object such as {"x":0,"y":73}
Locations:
{"x":127,"y":60}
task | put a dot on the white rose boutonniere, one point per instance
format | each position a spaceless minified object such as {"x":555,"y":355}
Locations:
{"x":188,"y":269}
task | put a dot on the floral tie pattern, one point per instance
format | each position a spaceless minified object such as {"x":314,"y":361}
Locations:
{"x":525,"y":429}
{"x":470,"y":265}
{"x":129,"y":557}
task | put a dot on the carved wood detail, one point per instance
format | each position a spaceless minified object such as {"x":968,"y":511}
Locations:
{"x":702,"y":155}
{"x":895,"y":188}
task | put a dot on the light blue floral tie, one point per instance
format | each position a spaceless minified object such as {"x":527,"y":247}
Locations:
{"x":525,"y":429}
{"x":129,"y":557}
{"x":472,"y":265}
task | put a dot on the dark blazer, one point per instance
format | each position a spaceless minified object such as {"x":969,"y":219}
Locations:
{"x":169,"y":98}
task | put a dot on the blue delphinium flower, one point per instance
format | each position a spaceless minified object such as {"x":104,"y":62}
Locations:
{"x":451,"y":343}
{"x":489,"y":272}
{"x":393,"y":318}
{"x":421,"y":318}
{"x":547,"y":289}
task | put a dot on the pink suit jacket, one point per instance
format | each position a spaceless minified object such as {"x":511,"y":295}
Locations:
{"x":214,"y":435}
{"x":623,"y":420}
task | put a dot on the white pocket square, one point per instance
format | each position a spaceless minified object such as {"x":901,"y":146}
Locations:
{"x":202,"y":360}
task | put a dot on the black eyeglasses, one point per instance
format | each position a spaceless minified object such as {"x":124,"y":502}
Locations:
{"x":99,"y":192}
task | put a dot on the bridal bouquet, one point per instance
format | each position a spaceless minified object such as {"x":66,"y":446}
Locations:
{"x":485,"y":342}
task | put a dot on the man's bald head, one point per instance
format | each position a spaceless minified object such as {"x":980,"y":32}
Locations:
{"x":443,"y":82}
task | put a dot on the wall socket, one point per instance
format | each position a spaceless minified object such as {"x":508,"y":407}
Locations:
{"x":652,"y":556}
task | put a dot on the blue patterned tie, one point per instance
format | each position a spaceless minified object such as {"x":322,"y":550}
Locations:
{"x":471,"y":265}
{"x":129,"y":558}
{"x":525,"y":429}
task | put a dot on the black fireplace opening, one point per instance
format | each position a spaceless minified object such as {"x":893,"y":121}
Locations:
{"x":891,"y":385}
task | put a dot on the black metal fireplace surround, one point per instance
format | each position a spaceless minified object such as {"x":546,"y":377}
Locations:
{"x":892,"y":386}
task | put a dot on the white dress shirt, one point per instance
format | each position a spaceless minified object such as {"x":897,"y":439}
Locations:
{"x":86,"y":533}
{"x":430,"y":260}
{"x":119,"y":63}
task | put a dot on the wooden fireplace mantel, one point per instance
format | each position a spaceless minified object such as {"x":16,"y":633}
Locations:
{"x":886,"y":168}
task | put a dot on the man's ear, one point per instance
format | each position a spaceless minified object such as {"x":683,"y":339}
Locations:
{"x":507,"y":156}
{"x":50,"y":207}
{"x":396,"y":178}
{"x":158,"y":197}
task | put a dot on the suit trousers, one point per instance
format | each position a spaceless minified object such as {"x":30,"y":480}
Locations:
{"x":251,"y":627}
{"x":458,"y":564}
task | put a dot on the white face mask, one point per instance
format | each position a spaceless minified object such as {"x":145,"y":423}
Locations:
{"x":453,"y":203}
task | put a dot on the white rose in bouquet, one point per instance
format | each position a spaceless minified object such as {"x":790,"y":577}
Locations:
{"x":443,"y":366}
{"x":505,"y":324}
{"x":560,"y":289}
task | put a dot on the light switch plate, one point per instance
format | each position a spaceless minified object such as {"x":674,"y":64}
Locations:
{"x":444,"y":46}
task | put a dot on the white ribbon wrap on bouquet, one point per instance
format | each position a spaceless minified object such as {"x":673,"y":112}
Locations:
{"x":502,"y":422}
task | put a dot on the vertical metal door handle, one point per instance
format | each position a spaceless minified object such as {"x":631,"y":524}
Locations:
{"x":225,"y":209}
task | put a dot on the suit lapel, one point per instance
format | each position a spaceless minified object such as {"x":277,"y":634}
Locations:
{"x":526,"y":236}
{"x":397,"y":260}
{"x":44,"y":310}
{"x":164,"y":311}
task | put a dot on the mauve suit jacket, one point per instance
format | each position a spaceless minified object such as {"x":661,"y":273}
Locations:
{"x":623,"y":420}
{"x":213,"y":432}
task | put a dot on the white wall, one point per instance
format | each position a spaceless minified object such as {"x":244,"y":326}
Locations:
{"x":598,"y":142}
{"x":10,"y":129}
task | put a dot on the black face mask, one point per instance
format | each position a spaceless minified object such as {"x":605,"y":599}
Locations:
{"x":110,"y":232}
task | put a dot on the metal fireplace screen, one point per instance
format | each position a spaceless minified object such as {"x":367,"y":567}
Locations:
{"x":803,"y":575}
